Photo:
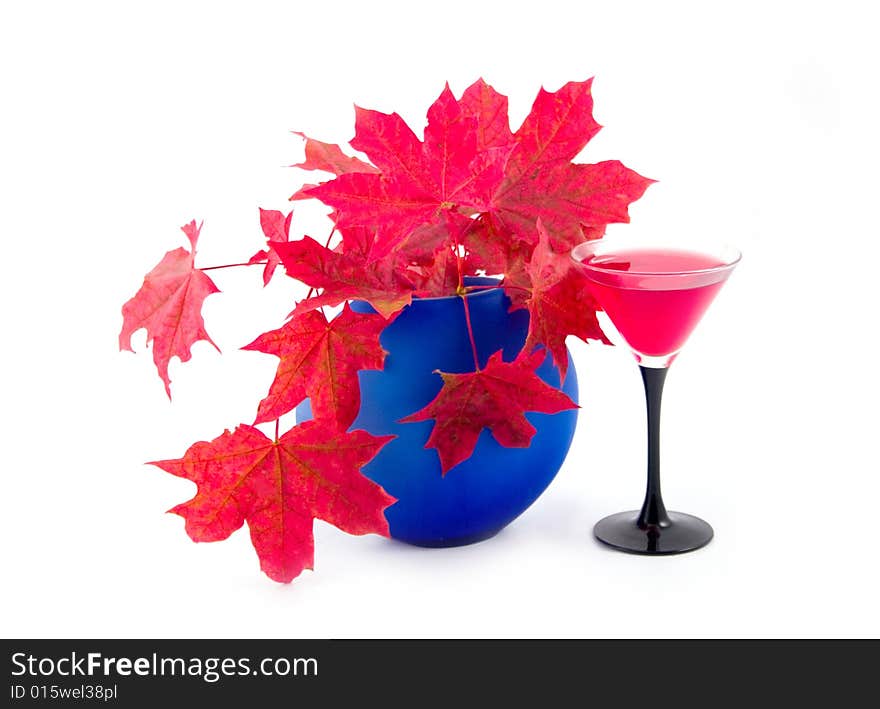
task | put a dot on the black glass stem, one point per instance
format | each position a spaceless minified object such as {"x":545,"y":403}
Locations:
{"x":652,"y":530}
{"x":653,"y":510}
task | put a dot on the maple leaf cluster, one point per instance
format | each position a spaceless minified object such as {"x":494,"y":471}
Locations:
{"x":471,"y":198}
{"x":474,"y":198}
{"x":278,"y":486}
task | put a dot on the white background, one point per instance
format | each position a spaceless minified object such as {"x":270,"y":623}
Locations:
{"x":122,"y":121}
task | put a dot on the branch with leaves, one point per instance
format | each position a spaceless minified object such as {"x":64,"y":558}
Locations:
{"x":471,"y":198}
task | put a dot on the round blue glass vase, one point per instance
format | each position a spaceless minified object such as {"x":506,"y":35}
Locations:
{"x":481,"y":495}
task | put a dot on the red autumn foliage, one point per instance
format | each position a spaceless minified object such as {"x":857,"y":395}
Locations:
{"x":470,"y":197}
{"x":279,"y":487}
{"x":495,"y":397}
{"x":320,"y":360}
{"x":276,"y":228}
{"x":343,"y":275}
{"x":169,"y":306}
{"x":329,"y":158}
{"x":558,"y":303}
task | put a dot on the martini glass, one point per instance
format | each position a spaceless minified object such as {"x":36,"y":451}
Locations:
{"x":654,"y":296}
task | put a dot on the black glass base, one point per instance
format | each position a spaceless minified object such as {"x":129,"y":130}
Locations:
{"x":683,"y":533}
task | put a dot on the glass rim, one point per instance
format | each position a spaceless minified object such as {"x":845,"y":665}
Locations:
{"x":735,"y":255}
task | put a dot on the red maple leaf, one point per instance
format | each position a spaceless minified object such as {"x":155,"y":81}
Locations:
{"x":559,"y":303}
{"x":169,"y":306}
{"x":496,"y":397}
{"x":329,"y":157}
{"x":575,"y":202}
{"x":276,"y":227}
{"x":326,"y":157}
{"x":320,"y":360}
{"x":419,"y":181}
{"x":557,"y":128}
{"x":344,"y":275}
{"x":541,"y":182}
{"x":279,"y":488}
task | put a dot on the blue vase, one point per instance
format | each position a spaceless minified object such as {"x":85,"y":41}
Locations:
{"x":481,"y":495}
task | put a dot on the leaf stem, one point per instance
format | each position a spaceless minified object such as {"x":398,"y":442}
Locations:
{"x":277,"y":421}
{"x":470,"y":329}
{"x":463,"y":295}
{"x":233,"y":265}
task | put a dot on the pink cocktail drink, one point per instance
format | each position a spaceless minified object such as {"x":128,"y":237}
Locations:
{"x":655,"y":297}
